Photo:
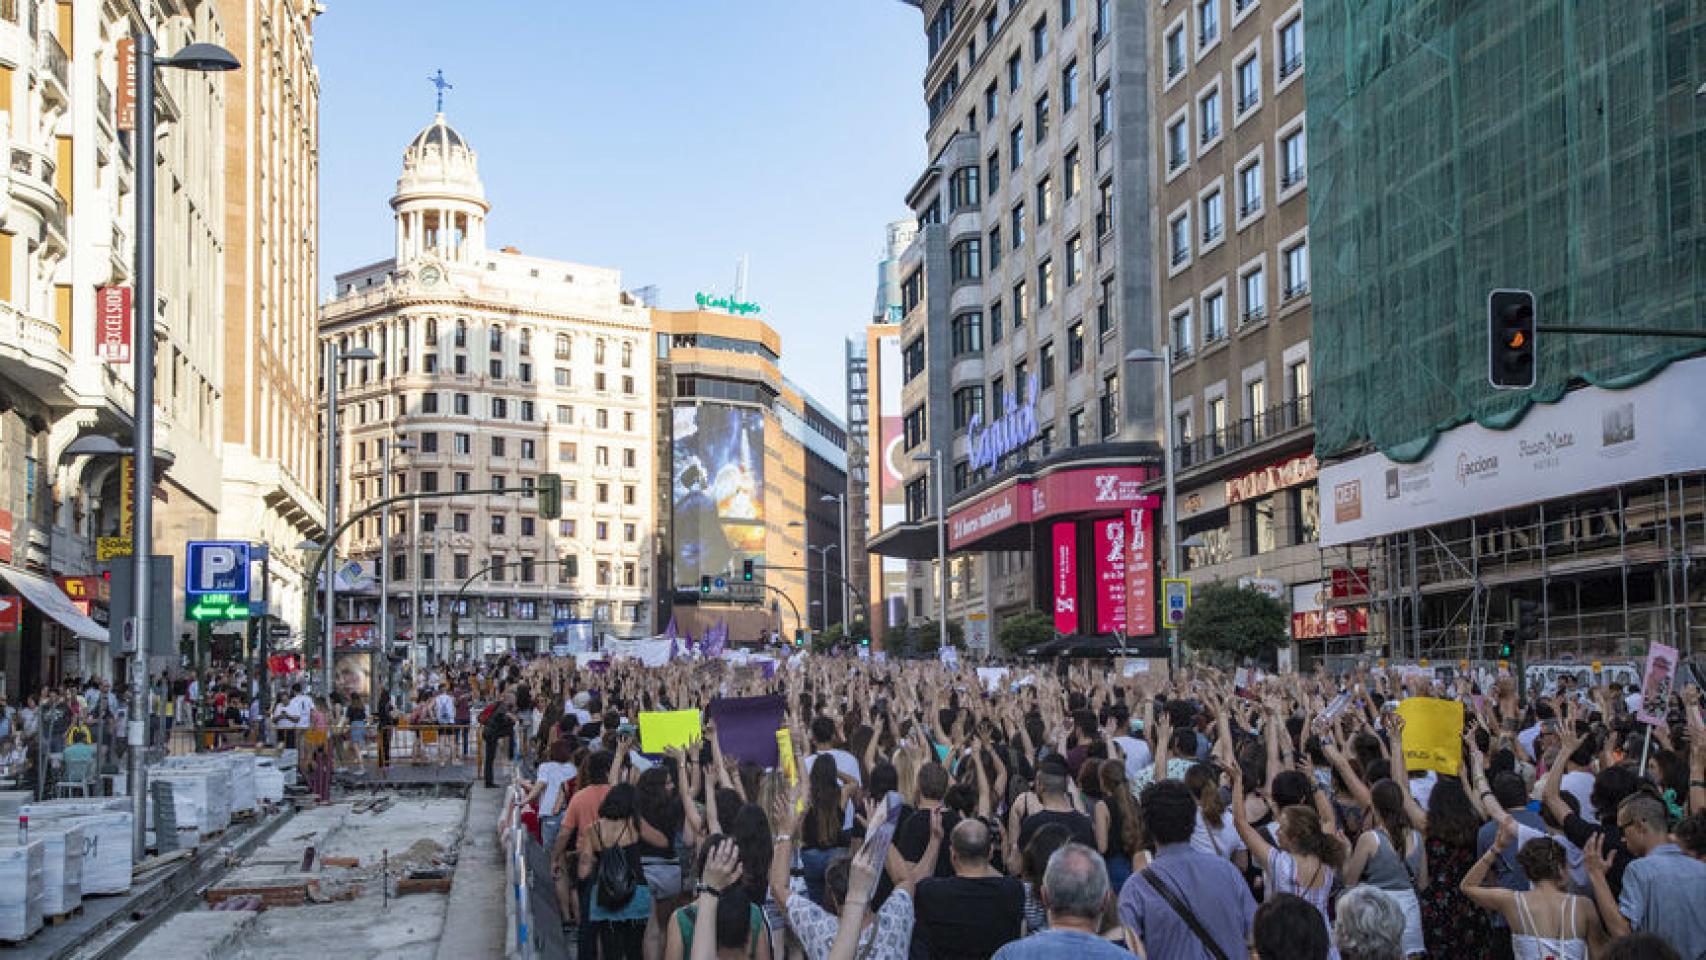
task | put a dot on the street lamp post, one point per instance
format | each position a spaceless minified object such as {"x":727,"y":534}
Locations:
{"x":846,"y":615}
{"x":203,"y":58}
{"x":386,"y":448}
{"x":334,"y":358}
{"x":1174,"y":567}
{"x":934,"y":458}
{"x":823,"y":578}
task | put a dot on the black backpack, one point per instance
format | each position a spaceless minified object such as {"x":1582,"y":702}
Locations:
{"x":617,"y":875}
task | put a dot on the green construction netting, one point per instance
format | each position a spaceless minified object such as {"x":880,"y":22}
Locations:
{"x":1458,"y":146}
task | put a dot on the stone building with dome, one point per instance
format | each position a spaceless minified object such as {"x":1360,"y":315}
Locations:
{"x":493,"y":368}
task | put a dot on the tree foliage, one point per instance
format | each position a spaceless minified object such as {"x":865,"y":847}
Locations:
{"x":924,"y":637}
{"x":1024,"y":630}
{"x":1233,"y":623}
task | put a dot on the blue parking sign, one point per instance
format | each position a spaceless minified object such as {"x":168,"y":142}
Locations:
{"x":216,"y":566}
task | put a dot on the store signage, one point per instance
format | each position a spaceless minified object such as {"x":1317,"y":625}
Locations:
{"x":112,"y":325}
{"x":740,"y":308}
{"x":11,"y":613}
{"x":1140,"y":573}
{"x":1265,"y":586}
{"x":217,"y":606}
{"x":1336,"y":622}
{"x":112,"y":548}
{"x":1593,"y":438}
{"x":1088,"y":490}
{"x":216,"y":567}
{"x":86,"y":592}
{"x":1289,"y":473}
{"x":1008,"y":432}
{"x":994,"y":513}
{"x":5,"y":536}
{"x":1110,"y":576}
{"x":355,"y":635}
{"x":1065,"y":540}
{"x":125,"y":114}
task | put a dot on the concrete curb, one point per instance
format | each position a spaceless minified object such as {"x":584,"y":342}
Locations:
{"x":475,"y":925}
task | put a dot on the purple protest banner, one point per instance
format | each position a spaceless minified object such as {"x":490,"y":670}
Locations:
{"x":746,"y":727}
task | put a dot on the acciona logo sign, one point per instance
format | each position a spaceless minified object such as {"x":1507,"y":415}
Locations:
{"x":1009,"y":432}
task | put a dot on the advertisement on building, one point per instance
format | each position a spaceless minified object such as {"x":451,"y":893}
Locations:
{"x":1065,"y":566}
{"x":1111,"y":557}
{"x":1140,"y":573}
{"x":889,"y":451}
{"x":717,"y":488}
{"x":1591,"y":439}
{"x":1311,"y":619}
{"x":352,"y":671}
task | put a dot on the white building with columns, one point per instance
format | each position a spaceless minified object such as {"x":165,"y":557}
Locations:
{"x":494,"y":368}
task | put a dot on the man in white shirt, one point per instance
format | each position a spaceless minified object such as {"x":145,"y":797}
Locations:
{"x":293,"y":716}
{"x":444,"y":708}
{"x":823,"y":742}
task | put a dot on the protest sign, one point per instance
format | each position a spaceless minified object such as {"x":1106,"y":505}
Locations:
{"x":674,"y":728}
{"x":992,"y":677}
{"x":746,"y":727}
{"x":1657,"y":682}
{"x":1433,"y":734}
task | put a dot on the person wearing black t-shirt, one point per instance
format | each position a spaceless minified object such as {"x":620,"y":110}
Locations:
{"x":971,"y":914}
{"x":912,"y":834}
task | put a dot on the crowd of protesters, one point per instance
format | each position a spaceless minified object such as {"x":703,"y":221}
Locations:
{"x":1075,"y":812}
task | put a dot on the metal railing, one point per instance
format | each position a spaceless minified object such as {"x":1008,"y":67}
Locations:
{"x":104,"y":100}
{"x":58,"y":64}
{"x":1274,"y":421}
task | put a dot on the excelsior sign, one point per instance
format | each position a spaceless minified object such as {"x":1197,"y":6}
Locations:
{"x":1009,"y":432}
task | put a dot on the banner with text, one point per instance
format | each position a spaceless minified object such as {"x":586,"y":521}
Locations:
{"x":1140,"y":574}
{"x":1065,"y":578}
{"x":1110,"y":576}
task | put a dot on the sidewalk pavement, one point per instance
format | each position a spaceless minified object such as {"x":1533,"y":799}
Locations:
{"x":474,"y":925}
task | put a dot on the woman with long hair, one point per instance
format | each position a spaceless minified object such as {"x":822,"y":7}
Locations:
{"x":739,"y":922}
{"x":619,"y":927}
{"x":1450,"y":925}
{"x":1125,"y":826}
{"x":1390,"y":856}
{"x":822,"y":836}
{"x":1305,"y":859}
{"x":661,"y":818}
{"x":1546,"y":920}
{"x":1215,"y":832}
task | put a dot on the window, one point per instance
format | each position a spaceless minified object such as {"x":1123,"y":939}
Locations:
{"x":914,"y":428}
{"x":601,"y":456}
{"x":1296,"y":270}
{"x":1260,"y":530}
{"x":1069,"y":87}
{"x":627,"y":354}
{"x":1214,"y":419}
{"x":429,"y":481}
{"x":563,"y":351}
{"x":628,"y":420}
{"x":968,"y":403}
{"x":1178,"y":144}
{"x":1075,"y":432}
{"x":601,"y":492}
{"x":460,"y":404}
{"x":1045,"y":282}
{"x":568,"y":452}
{"x":459,"y":522}
{"x":1248,"y":75}
{"x":1255,"y":402}
{"x":990,"y":24}
{"x":912,"y":359}
{"x":1208,"y":115}
{"x":601,"y":529}
{"x":1039,"y":38}
{"x":1021,"y":304}
{"x":1074,"y":260}
{"x":1175,"y":44}
{"x":431,"y":363}
{"x":1013,"y":74}
{"x":912,"y":291}
{"x":601,"y":418}
{"x":460,"y":365}
{"x":941,"y":27}
{"x":1290,"y":47}
{"x":429,"y":402}
{"x":497,"y":369}
{"x":463,"y":443}
{"x":497,"y":446}
{"x":500,"y":408}
{"x":459,"y":566}
{"x":963,"y":188}
{"x":598,"y":381}
{"x":994,"y":246}
{"x":461,"y":333}
{"x":1109,"y":405}
{"x":1104,"y":110}
{"x":524,"y":372}
{"x":1253,"y":288}
{"x":565,"y":377}
{"x":1293,"y":161}
{"x":1250,"y":188}
{"x":498,"y":482}
{"x":630,"y":459}
{"x":497,"y":523}
{"x":1214,"y":316}
{"x":1021,"y":376}
{"x":1306,"y":514}
{"x":598,"y":351}
{"x":630,"y":534}
{"x":992,"y":170}
{"x":1297,"y":379}
{"x":1213,"y":216}
{"x":1105,"y":308}
{"x":1041,"y":113}
{"x":991,"y":100}
{"x":968,"y":333}
{"x":1017,"y":217}
{"x":1208,"y":23}
{"x":565,"y":414}
{"x":630,"y":494}
{"x":627,"y":387}
{"x":1075,"y":347}
{"x":1182,"y":333}
{"x":1045,"y":200}
{"x":1179,"y":238}
{"x":464,"y":481}
{"x":1071,"y":175}
{"x":1105,"y":208}
{"x":1068,"y":10}
{"x":995,"y":322}
{"x":1104,"y":18}
{"x":1045,"y":365}
{"x":962,"y":476}
{"x":1016,"y":147}
{"x":966,"y":260}
{"x":603,"y":573}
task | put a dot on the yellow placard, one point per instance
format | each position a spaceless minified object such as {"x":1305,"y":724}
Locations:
{"x":112,"y":548}
{"x":674,"y":728}
{"x":785,"y":750}
{"x":1433,"y":734}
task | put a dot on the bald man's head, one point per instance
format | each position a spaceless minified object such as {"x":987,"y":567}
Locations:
{"x":970,"y":842}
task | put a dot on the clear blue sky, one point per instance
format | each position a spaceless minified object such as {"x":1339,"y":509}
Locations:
{"x":662,"y":138}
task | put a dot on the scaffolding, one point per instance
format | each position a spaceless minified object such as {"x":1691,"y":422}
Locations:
{"x":1611,"y":570}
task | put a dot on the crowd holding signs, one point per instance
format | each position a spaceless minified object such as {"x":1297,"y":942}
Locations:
{"x":830,"y":807}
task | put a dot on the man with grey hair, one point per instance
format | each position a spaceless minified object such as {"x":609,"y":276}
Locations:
{"x":1075,"y":893}
{"x":1370,"y":925}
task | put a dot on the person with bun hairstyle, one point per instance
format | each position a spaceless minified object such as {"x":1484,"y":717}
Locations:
{"x":1545,"y":920}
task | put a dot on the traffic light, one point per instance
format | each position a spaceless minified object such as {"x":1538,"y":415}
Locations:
{"x":705,"y":584}
{"x":746,"y":570}
{"x":1527,"y":632}
{"x":550,"y":493}
{"x":1510,"y":339}
{"x":1507,"y":647}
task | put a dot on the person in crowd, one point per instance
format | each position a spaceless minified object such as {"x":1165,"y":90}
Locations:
{"x":1184,"y":890}
{"x":500,"y":725}
{"x":822,"y":837}
{"x":738,"y":933}
{"x":1640,"y":946}
{"x":1663,"y":889}
{"x":1369,"y":925}
{"x":1033,"y":863}
{"x":1288,"y":927}
{"x":1546,"y":922}
{"x":1302,"y":862}
{"x":619,"y":925}
{"x":1076,"y":893}
{"x":972,"y":913}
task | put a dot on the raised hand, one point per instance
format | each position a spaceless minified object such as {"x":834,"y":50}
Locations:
{"x":722,"y":866}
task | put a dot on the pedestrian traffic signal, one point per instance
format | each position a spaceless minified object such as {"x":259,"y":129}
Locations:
{"x":1510,"y":339}
{"x":1507,"y":648}
{"x":550,"y":493}
{"x":746,"y":570}
{"x":705,"y":584}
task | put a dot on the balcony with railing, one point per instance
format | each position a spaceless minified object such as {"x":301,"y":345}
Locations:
{"x":1276,"y":421}
{"x":58,"y":67}
{"x":104,"y":102}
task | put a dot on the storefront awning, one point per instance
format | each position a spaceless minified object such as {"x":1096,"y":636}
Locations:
{"x":45,"y":595}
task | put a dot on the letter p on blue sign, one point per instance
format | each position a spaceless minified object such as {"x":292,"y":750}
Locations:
{"x":217,"y":566}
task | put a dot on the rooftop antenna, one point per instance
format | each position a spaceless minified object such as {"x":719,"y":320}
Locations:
{"x":437,"y":80}
{"x":740,"y":279}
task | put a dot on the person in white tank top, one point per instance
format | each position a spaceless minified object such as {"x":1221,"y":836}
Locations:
{"x":1546,"y":922}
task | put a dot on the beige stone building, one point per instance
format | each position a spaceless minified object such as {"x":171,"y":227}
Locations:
{"x":272,"y":164}
{"x":495,"y":367}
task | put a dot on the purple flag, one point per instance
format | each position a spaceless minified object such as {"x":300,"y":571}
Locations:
{"x":746,"y":727}
{"x":769,"y":668}
{"x":670,"y":630}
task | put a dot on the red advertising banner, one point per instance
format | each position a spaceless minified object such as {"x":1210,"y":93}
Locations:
{"x":1336,"y":622}
{"x":1110,"y":576}
{"x":354,"y":635}
{"x":1140,"y":574}
{"x":11,"y":613}
{"x":1065,"y":578}
{"x":112,"y":325}
{"x":6,"y":536}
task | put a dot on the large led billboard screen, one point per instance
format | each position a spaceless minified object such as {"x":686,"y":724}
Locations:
{"x":717,"y":486}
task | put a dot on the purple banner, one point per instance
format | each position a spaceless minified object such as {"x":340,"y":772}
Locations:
{"x":746,"y":727}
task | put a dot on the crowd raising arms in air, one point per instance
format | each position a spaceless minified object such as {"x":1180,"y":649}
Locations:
{"x":927,"y":811}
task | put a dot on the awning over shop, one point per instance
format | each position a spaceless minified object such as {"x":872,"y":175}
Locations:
{"x":45,"y":596}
